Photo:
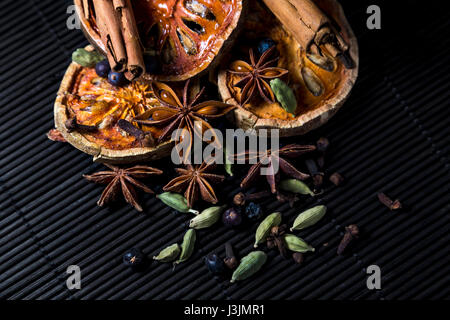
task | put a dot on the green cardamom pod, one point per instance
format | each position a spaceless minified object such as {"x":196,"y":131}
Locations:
{"x":207,"y":218}
{"x":284,"y":94}
{"x":187,"y":247}
{"x":272,"y":220}
{"x":86,"y":58}
{"x":250,"y":264}
{"x":228,"y":164}
{"x":297,"y":244}
{"x":309,"y":217}
{"x":176,"y":201}
{"x":168,"y":254}
{"x":295,"y":186}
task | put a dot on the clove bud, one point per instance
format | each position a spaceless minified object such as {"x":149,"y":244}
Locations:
{"x":298,"y":257}
{"x":388,"y":202}
{"x":240,"y":198}
{"x":336,"y":179}
{"x":230,"y":261}
{"x":352,"y":232}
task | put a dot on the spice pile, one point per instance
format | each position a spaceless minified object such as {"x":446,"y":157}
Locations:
{"x":117,"y":108}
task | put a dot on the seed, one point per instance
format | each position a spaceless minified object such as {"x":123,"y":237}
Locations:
{"x":309,"y":217}
{"x":285,"y":95}
{"x":207,"y":218}
{"x":323,"y":62}
{"x":187,"y":43}
{"x":249,"y":265}
{"x":351,"y":233}
{"x":336,"y":179}
{"x":176,"y":201}
{"x":265,"y":226}
{"x":297,"y":244}
{"x":388,"y":202}
{"x":187,"y":247}
{"x":168,"y":254}
{"x":312,"y":82}
{"x":295,"y":186}
{"x":199,"y":9}
{"x":298,"y":257}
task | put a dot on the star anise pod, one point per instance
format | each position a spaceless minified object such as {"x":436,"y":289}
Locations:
{"x":195,"y":180}
{"x":276,"y":238}
{"x":266,"y":159}
{"x":122,"y":179}
{"x":174,"y":114}
{"x":255,"y":74}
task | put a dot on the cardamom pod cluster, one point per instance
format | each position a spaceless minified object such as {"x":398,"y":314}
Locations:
{"x":207,"y":218}
{"x":263,"y":230}
{"x":85,"y":58}
{"x":187,"y":247}
{"x":295,"y":186}
{"x":309,"y":217}
{"x":297,"y":244}
{"x":249,"y":265}
{"x":176,"y":201}
{"x":168,"y":254}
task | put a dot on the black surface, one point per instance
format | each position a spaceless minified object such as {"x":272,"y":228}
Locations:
{"x":392,"y":135}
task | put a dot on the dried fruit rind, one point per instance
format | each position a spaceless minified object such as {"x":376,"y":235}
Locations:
{"x":184,"y":36}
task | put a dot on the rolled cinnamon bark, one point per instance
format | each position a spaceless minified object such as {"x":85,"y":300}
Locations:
{"x":111,"y":34}
{"x":308,"y":25}
{"x":130,"y":34}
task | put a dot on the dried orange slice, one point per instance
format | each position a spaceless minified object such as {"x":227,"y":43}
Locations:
{"x":184,"y":36}
{"x":331,"y":81}
{"x":96,"y":117}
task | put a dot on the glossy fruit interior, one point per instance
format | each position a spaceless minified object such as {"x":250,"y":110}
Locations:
{"x":260,"y":23}
{"x":96,"y":102}
{"x":183,"y":35}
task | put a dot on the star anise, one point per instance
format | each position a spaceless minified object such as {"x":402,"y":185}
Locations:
{"x":195,"y":180}
{"x":122,"y":179}
{"x":174,"y":114}
{"x":276,"y":238}
{"x":265,"y":160}
{"x":255,"y":74}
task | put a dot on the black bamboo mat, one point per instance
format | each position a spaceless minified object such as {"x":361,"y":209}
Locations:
{"x":392,"y":135}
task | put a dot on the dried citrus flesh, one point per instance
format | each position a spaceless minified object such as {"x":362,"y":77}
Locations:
{"x":95,"y":102}
{"x":183,"y":35}
{"x":261,"y":23}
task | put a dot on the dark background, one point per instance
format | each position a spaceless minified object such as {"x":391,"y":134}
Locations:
{"x":391,"y":135}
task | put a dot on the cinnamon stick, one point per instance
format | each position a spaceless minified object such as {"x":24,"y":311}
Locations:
{"x":111,"y":34}
{"x":130,"y":33}
{"x":308,"y":25}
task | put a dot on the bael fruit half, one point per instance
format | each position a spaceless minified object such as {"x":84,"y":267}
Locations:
{"x":184,"y":36}
{"x":312,"y":110}
{"x":95,"y":117}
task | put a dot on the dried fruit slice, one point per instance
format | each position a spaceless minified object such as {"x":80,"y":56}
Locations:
{"x":183,"y":36}
{"x":95,"y":117}
{"x":320,"y":84}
